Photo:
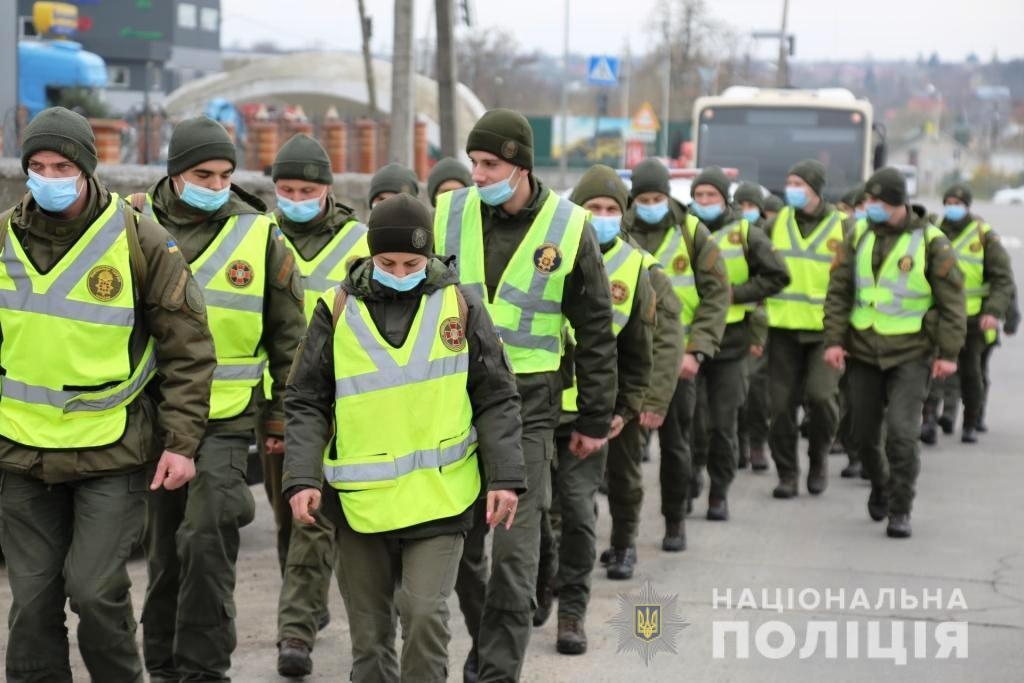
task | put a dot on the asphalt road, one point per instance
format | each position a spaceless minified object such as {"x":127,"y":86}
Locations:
{"x":965,"y":563}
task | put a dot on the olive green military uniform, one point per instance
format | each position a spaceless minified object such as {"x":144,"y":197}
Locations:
{"x":888,"y":374}
{"x":576,"y":480}
{"x":755,"y":414}
{"x":723,"y":379}
{"x":188,"y":618}
{"x":705,"y":333}
{"x":998,"y":279}
{"x":309,"y":549}
{"x":625,"y":453}
{"x":415,"y":568}
{"x":798,"y":373}
{"x":70,"y":518}
{"x":504,"y":630}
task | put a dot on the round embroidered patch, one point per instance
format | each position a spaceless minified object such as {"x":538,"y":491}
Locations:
{"x":452,"y":335}
{"x":547,"y":258}
{"x":239,"y":274}
{"x":620,"y":291}
{"x":680,"y":264}
{"x":509,"y":148}
{"x":104,"y":283}
{"x":905,"y":264}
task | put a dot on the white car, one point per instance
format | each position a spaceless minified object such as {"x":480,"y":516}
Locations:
{"x":1011,"y":195}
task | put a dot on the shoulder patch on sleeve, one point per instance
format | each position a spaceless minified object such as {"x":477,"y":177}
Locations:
{"x":194,"y":297}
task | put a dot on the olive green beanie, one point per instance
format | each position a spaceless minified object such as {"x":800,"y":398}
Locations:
{"x":393,"y":178}
{"x":302,"y":158}
{"x":506,"y":134}
{"x":812,"y":172}
{"x":447,"y":169}
{"x":197,"y":140}
{"x":62,"y":131}
{"x":600,"y":181}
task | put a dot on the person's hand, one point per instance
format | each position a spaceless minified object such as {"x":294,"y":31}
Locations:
{"x":303,"y":503}
{"x":173,"y":471}
{"x":988,"y":322}
{"x":274,"y":445}
{"x":617,"y":424}
{"x":689,"y":367}
{"x":835,"y":357}
{"x":649,"y":420}
{"x":501,"y":507}
{"x":756,"y":350}
{"x":581,"y":445}
{"x":943,"y":368}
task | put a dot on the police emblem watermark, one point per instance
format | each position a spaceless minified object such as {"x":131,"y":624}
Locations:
{"x":648,"y":623}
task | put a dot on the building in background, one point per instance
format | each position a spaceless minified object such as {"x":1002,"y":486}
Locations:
{"x":157,"y":45}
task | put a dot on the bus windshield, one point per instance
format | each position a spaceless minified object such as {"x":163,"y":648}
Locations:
{"x":764,"y":143}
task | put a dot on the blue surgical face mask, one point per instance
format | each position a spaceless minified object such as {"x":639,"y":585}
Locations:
{"x":860,"y":214}
{"x":498,"y":193}
{"x":202,"y":198}
{"x":954,"y":212}
{"x":877,"y":213}
{"x":54,"y":194}
{"x":796,"y":197}
{"x":606,"y":227}
{"x":707,"y":213}
{"x":299,"y":212}
{"x":399,"y":284}
{"x":652,"y":213}
{"x":752,"y":216}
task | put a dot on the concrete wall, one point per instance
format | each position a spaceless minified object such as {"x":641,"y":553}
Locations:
{"x":350,"y":189}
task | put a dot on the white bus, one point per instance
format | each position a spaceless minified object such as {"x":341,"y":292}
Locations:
{"x":764,"y":131}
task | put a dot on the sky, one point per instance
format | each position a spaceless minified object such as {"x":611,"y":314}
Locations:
{"x":824,"y":29}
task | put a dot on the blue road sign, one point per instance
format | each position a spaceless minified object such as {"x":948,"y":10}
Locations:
{"x":602,"y":70}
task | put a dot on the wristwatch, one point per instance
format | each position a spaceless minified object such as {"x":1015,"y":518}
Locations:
{"x":699,"y":355}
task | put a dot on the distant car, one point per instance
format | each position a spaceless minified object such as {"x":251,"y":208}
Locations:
{"x":1011,"y":195}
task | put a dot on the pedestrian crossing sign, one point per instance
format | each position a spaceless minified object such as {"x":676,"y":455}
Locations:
{"x":602,"y":70}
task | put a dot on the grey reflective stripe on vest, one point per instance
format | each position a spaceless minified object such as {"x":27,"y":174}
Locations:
{"x":616,"y":261}
{"x":963,"y":245}
{"x":532,"y":302}
{"x":665,"y":257}
{"x":619,"y":318}
{"x":798,"y":297}
{"x":453,"y":231}
{"x":389,"y":374}
{"x":898,"y":287}
{"x":811,"y":252}
{"x":241,"y":372}
{"x":355,"y":473}
{"x":71,"y":401}
{"x":319,"y":280}
{"x":56,"y":301}
{"x":218,"y":261}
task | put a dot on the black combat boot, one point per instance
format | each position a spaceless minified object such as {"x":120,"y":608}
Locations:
{"x":675,"y":537}
{"x":620,"y":568}
{"x":899,"y":525}
{"x":786,"y":489}
{"x":572,"y":639}
{"x":294,"y":658}
{"x":817,"y":477}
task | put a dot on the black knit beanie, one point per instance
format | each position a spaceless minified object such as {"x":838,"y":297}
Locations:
{"x":650,"y":175}
{"x":958,"y":191}
{"x":716,"y":178}
{"x":302,"y":158}
{"x":888,"y":185}
{"x":812,"y":172}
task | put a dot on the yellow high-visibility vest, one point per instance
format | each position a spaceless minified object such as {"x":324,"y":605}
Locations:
{"x":895,"y":301}
{"x":66,"y":350}
{"x":527,"y":305}
{"x":423,"y":465}
{"x":674,"y":257}
{"x":732,"y":242}
{"x":801,"y":305}
{"x":970,"y":256}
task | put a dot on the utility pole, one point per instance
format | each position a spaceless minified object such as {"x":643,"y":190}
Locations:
{"x":446,"y":75}
{"x":666,"y":93}
{"x":563,"y":158}
{"x":403,"y":101}
{"x":367,"y":28}
{"x":783,"y":72}
{"x":8,"y":77}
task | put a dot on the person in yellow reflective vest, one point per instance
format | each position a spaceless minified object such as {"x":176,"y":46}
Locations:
{"x":253,"y":295}
{"x":575,"y":480}
{"x":95,"y":300}
{"x":756,"y":272}
{"x":447,"y":175}
{"x":989,"y":287}
{"x":807,"y":233}
{"x":895,"y":317}
{"x":325,"y":238}
{"x":755,"y":415}
{"x":401,"y":407}
{"x":692,"y":261}
{"x":533,"y":259}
